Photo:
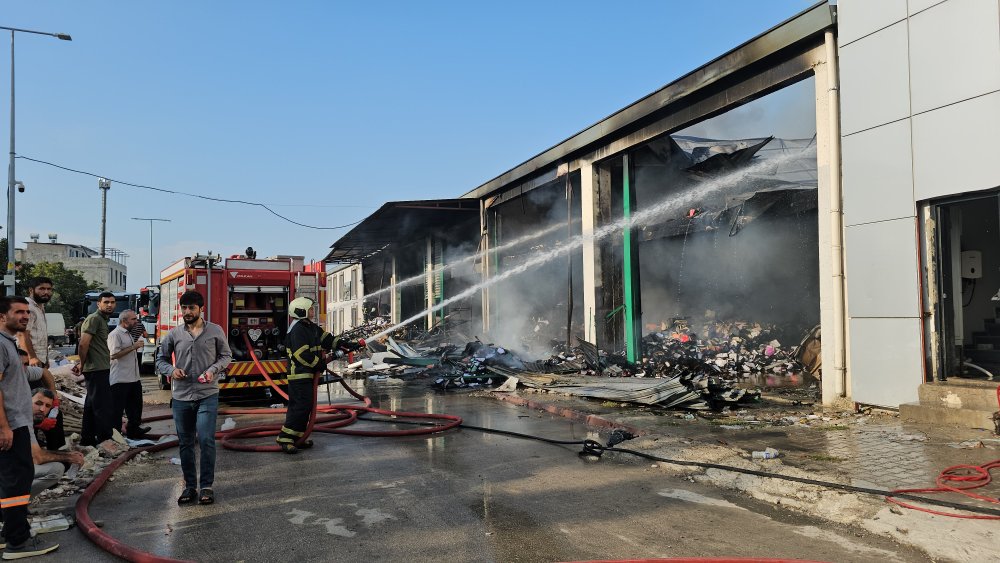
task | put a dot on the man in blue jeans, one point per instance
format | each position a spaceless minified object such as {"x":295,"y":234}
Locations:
{"x":192,"y":355}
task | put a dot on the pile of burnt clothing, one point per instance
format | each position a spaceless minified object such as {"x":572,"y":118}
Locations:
{"x":584,"y":358}
{"x":472,"y":369}
{"x":730,"y":349}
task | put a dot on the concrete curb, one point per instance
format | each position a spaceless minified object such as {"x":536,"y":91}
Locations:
{"x":580,"y":416}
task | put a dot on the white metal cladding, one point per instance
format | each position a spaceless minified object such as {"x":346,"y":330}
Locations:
{"x":856,"y":19}
{"x":878,"y":174}
{"x":283,"y":265}
{"x":955,"y":150}
{"x":954,"y":53}
{"x":882,"y":272}
{"x":916,"y":6}
{"x":886,"y":361}
{"x":874,"y":80}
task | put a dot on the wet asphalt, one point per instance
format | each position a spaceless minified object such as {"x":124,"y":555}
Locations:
{"x":461,"y":496}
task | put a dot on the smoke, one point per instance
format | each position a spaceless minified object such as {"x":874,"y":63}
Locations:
{"x":645,"y":216}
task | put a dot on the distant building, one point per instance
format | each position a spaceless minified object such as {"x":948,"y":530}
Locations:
{"x":107,"y":272}
{"x":343,"y":299}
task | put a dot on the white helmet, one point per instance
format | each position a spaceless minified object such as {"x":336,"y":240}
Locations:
{"x":299,"y":307}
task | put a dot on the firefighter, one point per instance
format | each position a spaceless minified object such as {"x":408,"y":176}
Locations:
{"x":305,"y":344}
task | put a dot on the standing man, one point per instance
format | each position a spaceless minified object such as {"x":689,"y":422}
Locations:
{"x":126,"y":389}
{"x":192,"y":355}
{"x":304,"y":344}
{"x":35,"y":340}
{"x":16,"y":468}
{"x":99,"y":405}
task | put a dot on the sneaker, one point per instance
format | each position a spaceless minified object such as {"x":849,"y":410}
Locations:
{"x":30,"y":548}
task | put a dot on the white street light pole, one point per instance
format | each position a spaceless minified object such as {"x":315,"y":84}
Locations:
{"x":11,"y":241}
{"x":152,"y":280}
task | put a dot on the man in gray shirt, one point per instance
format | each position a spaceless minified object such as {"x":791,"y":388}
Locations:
{"x":16,"y":468}
{"x":193,"y":355}
{"x":126,"y":388}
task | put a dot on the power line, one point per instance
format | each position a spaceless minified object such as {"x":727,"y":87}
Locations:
{"x":176,"y":192}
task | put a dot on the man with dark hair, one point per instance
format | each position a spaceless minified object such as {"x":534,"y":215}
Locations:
{"x":35,"y":340}
{"x":53,"y":432}
{"x":95,"y":364}
{"x":50,"y":465}
{"x":16,"y":468}
{"x":192,"y":355}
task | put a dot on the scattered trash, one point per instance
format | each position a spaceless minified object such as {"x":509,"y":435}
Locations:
{"x":229,"y":424}
{"x":50,"y":523}
{"x":175,"y":460}
{"x":768,"y":453}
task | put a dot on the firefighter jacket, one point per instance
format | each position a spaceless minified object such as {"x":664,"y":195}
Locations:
{"x":304,"y":344}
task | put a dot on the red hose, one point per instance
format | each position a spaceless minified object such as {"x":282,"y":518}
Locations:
{"x":334,"y":418}
{"x":975,"y":475}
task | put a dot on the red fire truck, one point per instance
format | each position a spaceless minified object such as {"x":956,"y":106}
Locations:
{"x":248,"y":298}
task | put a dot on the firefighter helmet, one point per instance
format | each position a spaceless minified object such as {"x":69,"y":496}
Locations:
{"x":299,"y":307}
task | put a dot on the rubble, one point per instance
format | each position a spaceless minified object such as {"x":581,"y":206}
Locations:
{"x":689,"y":369}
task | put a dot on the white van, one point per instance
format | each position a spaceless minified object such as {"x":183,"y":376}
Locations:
{"x":57,"y":329}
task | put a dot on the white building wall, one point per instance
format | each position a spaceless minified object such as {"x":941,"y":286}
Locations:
{"x":344,"y":292}
{"x":920,"y":102}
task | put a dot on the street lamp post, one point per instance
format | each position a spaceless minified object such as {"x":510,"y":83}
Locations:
{"x":11,"y":241}
{"x":152,"y":280}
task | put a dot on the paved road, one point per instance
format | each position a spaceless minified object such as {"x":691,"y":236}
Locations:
{"x":464,"y":496}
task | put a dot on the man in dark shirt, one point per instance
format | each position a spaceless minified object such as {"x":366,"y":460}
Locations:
{"x":95,"y":364}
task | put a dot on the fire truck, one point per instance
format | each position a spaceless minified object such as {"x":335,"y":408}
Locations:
{"x":248,"y":298}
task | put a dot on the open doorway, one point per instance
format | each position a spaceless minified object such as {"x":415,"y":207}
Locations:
{"x":964,"y":286}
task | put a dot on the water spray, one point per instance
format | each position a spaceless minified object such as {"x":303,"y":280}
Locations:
{"x":470,"y":258}
{"x":641,"y":218}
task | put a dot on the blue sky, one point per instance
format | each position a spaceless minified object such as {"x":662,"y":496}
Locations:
{"x":324,"y":110}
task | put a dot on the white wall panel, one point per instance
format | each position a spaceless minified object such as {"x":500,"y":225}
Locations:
{"x":874,"y":80}
{"x":914,"y":6}
{"x":882,"y":269}
{"x":877,"y":174}
{"x":955,"y":149}
{"x":954,"y":53}
{"x":886,"y":361}
{"x":857,"y":18}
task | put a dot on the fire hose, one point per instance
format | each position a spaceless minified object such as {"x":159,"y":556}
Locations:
{"x":335,"y":418}
{"x":339,"y":416}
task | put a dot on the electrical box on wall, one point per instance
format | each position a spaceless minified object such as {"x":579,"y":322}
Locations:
{"x":972,"y":264}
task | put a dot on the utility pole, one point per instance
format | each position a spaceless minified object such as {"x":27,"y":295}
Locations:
{"x":152,"y":280}
{"x":11,"y":182}
{"x":104,"y":184}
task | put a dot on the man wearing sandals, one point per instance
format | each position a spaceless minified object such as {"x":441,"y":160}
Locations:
{"x":192,"y":355}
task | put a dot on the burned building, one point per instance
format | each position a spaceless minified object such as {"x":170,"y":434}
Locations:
{"x":722,"y":200}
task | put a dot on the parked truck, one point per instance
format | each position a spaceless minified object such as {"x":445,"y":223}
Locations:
{"x":248,"y":298}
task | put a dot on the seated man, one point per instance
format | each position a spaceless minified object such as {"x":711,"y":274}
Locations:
{"x":53,"y":434}
{"x":48,"y":464}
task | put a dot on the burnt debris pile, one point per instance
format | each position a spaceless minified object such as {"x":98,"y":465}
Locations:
{"x":678,"y":369}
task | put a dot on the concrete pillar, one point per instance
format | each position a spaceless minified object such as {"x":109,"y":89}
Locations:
{"x":591,"y":266}
{"x":394,"y":294}
{"x":829,"y":285}
{"x":429,"y":281}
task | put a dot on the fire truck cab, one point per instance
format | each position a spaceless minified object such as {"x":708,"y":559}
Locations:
{"x":248,"y":298}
